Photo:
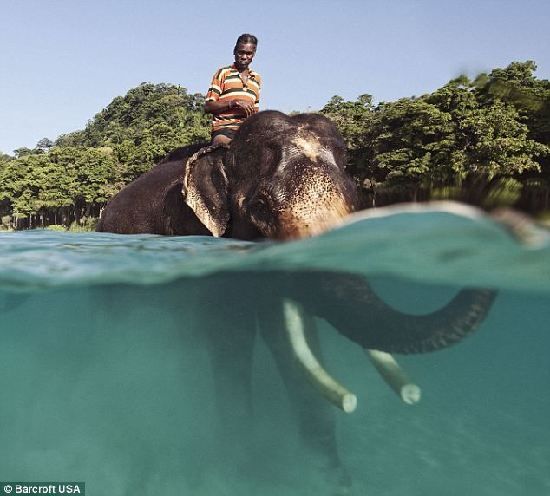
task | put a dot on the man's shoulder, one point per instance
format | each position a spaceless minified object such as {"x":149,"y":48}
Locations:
{"x":255,"y":75}
{"x":223,"y":70}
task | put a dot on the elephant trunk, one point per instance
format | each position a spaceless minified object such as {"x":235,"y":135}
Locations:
{"x":348,"y":303}
{"x":443,"y":328}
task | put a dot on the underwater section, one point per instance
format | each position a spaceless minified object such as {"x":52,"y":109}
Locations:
{"x":148,"y":365}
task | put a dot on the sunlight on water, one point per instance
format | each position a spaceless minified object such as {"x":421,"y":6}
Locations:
{"x":107,"y":378}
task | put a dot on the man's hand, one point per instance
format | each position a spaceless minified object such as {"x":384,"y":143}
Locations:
{"x":238,"y":106}
{"x":242,"y":106}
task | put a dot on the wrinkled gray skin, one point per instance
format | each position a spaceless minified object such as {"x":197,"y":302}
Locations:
{"x":281,"y":178}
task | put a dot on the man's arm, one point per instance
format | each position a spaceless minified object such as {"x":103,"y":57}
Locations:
{"x":218,"y":106}
{"x":238,"y":106}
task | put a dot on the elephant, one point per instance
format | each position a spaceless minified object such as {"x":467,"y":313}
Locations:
{"x":281,"y":178}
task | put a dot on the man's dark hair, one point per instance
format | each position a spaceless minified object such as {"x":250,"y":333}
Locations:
{"x":247,"y":38}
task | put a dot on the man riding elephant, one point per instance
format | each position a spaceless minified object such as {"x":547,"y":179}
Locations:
{"x":234,"y":93}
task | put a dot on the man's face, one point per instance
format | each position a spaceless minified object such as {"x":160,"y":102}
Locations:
{"x":244,"y":53}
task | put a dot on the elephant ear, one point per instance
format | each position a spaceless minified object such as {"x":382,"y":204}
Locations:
{"x":205,"y":188}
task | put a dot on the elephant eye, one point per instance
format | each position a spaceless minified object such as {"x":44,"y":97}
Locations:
{"x":271,"y":155}
{"x":259,"y":204}
{"x":259,"y":207}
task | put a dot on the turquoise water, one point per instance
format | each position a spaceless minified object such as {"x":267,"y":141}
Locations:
{"x":105,"y":375}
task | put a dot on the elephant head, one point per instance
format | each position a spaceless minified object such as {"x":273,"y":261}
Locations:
{"x":282,"y":177}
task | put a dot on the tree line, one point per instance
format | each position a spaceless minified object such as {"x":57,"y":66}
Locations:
{"x":69,"y":180}
{"x":485,"y":141}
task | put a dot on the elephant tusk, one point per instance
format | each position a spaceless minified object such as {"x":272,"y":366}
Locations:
{"x":329,"y":387}
{"x":394,"y":376}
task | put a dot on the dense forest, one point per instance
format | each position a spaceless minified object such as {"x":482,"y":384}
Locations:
{"x":68,"y":181}
{"x":485,"y":141}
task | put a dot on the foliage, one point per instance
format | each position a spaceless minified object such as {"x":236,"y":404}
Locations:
{"x":354,"y":120}
{"x":70,"y":179}
{"x":468,"y":139}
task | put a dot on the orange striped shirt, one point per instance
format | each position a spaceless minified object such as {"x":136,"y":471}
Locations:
{"x":228,"y":85}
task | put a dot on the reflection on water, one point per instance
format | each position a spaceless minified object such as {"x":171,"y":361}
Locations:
{"x":112,"y":383}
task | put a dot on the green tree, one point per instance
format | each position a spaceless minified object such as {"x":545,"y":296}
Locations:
{"x":4,"y":157}
{"x":465,"y":140}
{"x":144,"y":125}
{"x":24,"y":151}
{"x":517,"y":85}
{"x":413,"y":143}
{"x":44,"y":144}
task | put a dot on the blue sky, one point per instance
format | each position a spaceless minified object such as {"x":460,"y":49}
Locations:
{"x":62,"y":61}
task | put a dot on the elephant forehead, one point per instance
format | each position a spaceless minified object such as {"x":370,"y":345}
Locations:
{"x":309,"y":146}
{"x":305,"y":146}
